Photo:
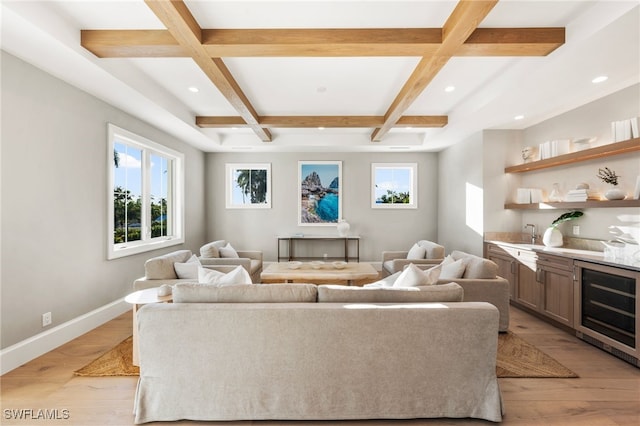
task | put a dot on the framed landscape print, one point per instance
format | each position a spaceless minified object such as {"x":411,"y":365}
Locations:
{"x":394,"y":185}
{"x":248,"y":186}
{"x":319,"y":193}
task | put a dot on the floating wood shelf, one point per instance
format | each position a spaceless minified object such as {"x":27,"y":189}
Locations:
{"x":574,"y":205}
{"x":602,"y":151}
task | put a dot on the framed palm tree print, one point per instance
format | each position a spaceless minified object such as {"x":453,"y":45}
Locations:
{"x":248,"y":186}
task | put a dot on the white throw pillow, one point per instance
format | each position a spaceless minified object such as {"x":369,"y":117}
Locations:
{"x":188,"y":269}
{"x":452,"y":269}
{"x":238,"y":275}
{"x":416,"y":252}
{"x":412,"y":276}
{"x":212,"y":249}
{"x":228,"y":251}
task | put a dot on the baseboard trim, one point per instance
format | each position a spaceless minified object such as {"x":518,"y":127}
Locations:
{"x":22,"y":352}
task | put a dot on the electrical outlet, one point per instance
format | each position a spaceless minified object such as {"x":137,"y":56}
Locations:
{"x":46,"y":319}
{"x":576,"y":229}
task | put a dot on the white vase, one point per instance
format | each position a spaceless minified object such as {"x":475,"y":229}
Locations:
{"x":552,"y":237}
{"x":615,"y":194}
{"x":343,"y":227}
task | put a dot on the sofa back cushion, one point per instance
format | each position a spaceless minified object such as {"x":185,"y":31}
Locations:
{"x":161,"y":267}
{"x":450,"y":292}
{"x":476,"y":267}
{"x":245,"y":293}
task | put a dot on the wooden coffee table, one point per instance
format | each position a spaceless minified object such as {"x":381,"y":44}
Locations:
{"x":327,"y":273}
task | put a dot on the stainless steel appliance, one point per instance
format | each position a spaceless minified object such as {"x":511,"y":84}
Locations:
{"x":608,"y":308}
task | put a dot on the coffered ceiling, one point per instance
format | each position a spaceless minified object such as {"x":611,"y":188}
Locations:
{"x":332,"y":75}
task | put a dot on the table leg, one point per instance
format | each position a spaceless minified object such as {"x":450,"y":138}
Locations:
{"x":136,"y":361}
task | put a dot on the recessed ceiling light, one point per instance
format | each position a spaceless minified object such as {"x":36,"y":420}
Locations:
{"x":518,"y":117}
{"x":321,"y":89}
{"x":450,"y":88}
{"x":194,"y":89}
{"x":600,"y":79}
{"x":320,"y":128}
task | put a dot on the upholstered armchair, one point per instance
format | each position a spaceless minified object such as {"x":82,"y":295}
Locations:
{"x":481,"y":283}
{"x":421,"y":253}
{"x":221,"y":252}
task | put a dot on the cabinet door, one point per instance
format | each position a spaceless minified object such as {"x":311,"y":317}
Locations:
{"x":528,"y":292}
{"x":557,"y":295}
{"x":507,"y":270}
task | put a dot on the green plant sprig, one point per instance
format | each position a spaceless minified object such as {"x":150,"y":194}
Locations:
{"x":608,"y":176}
{"x":566,"y":217}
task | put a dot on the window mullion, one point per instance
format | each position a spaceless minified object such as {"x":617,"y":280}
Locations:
{"x":146,"y":195}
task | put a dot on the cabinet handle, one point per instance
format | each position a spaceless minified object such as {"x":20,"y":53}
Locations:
{"x":540,"y":275}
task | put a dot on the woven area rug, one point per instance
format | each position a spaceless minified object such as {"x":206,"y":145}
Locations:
{"x":516,"y":358}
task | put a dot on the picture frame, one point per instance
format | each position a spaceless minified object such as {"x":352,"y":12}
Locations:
{"x":319,"y":193}
{"x":248,"y":185}
{"x":394,"y":185}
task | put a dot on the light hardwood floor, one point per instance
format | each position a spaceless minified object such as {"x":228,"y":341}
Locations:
{"x":607,"y":392}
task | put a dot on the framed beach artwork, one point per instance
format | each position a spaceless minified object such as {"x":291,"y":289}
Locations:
{"x":319,"y":193}
{"x":394,"y":185}
{"x":248,"y":186}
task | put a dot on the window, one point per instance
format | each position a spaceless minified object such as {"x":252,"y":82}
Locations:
{"x":145,"y":194}
{"x":394,"y":185}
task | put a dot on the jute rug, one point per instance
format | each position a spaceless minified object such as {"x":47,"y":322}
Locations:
{"x":516,"y":358}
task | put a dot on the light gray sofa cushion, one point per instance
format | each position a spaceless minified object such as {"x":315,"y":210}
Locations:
{"x":245,"y":293}
{"x":450,"y":292}
{"x":161,"y":267}
{"x":477,"y":267}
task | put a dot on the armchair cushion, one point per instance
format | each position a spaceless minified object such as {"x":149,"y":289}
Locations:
{"x":238,"y":275}
{"x":188,"y":269}
{"x":416,"y":252}
{"x":412,"y":276}
{"x":228,"y":252}
{"x":396,"y":261}
{"x":161,"y":267}
{"x":477,"y":267}
{"x":432,"y":250}
{"x":212,"y":249}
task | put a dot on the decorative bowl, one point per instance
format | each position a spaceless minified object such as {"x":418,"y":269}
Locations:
{"x":294,"y":265}
{"x":339,"y":264}
{"x":317,"y":264}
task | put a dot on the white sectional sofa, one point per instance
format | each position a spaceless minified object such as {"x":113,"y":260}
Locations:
{"x":294,"y":352}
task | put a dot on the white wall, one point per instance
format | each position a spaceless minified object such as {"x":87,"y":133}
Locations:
{"x":379,"y":229}
{"x":54,"y":201}
{"x":461,"y":196}
{"x":591,"y":120}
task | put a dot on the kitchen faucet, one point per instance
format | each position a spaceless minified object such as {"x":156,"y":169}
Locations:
{"x":533,"y":232}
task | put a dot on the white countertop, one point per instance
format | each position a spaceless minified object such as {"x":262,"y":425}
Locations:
{"x":585,"y":255}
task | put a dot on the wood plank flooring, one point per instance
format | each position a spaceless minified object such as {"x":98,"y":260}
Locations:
{"x":607,"y":392}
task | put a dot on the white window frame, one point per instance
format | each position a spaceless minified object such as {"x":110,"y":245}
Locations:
{"x":413,"y":184}
{"x":176,"y":198}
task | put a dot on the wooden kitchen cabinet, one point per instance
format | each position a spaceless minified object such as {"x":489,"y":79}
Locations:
{"x":556,"y":278}
{"x":538,"y":281}
{"x":506,"y":266}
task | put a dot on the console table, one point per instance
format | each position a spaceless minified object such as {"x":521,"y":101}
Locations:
{"x":291,"y":241}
